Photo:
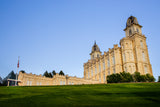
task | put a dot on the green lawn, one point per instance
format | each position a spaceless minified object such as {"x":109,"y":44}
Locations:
{"x":131,"y":94}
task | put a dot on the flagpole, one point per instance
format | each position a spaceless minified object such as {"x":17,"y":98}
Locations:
{"x":17,"y":72}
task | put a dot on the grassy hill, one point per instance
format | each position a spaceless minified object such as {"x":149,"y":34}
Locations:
{"x":128,"y":94}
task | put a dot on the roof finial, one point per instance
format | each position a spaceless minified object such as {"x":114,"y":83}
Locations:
{"x":94,"y":41}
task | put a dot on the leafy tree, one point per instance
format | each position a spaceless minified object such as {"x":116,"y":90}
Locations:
{"x":137,"y":77}
{"x":61,"y":73}
{"x":46,"y":74}
{"x":114,"y":78}
{"x":158,"y":78}
{"x":143,"y":78}
{"x":126,"y":77}
{"x":150,"y":78}
{"x":53,"y":72}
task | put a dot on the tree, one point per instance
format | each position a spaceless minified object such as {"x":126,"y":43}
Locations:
{"x":150,"y":78}
{"x":46,"y":74}
{"x":50,"y":75}
{"x":53,"y":72}
{"x":11,"y":75}
{"x":137,"y":77}
{"x":61,"y":73}
{"x":114,"y":78}
{"x":22,"y":71}
{"x":126,"y":77}
{"x":1,"y":81}
{"x":158,"y":78}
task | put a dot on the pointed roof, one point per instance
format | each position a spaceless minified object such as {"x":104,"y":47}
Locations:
{"x":95,"y":48}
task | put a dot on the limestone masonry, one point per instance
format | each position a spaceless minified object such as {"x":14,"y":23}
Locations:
{"x":131,"y":56}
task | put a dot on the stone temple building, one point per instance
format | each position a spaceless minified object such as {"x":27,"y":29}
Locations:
{"x":130,"y":56}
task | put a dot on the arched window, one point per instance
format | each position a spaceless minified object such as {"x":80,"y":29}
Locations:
{"x":99,"y":78}
{"x":125,"y":69}
{"x":99,"y":67}
{"x":141,"y":42}
{"x":145,"y":69}
{"x":95,"y":70}
{"x":91,"y":71}
{"x":124,"y":58}
{"x":104,"y":77}
{"x":113,"y":58}
{"x":114,"y":71}
{"x":143,"y":55}
{"x":108,"y":72}
{"x":103,"y":65}
{"x":130,"y":32}
{"x":137,"y":30}
{"x":93,"y":56}
{"x":88,"y":74}
{"x":98,"y":55}
{"x":108,"y":62}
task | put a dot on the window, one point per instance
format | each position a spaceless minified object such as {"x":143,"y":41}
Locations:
{"x":61,"y":82}
{"x":88,"y":73}
{"x":91,"y":71}
{"x":103,"y":65}
{"x":124,"y":58}
{"x":72,"y":83}
{"x":108,"y":62}
{"x":141,"y":42}
{"x":113,"y":58}
{"x":137,"y":30}
{"x":30,"y":83}
{"x":99,"y":78}
{"x":104,"y":77}
{"x":98,"y":55}
{"x":114,"y":71}
{"x":145,"y":69}
{"x":37,"y":83}
{"x":125,"y":69}
{"x":95,"y":70}
{"x":130,"y":32}
{"x":93,"y":56}
{"x":27,"y":82}
{"x":40,"y":83}
{"x":143,"y":55}
{"x":108,"y":72}
{"x":99,"y":67}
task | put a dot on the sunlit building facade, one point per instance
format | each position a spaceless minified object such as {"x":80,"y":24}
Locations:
{"x":130,"y":56}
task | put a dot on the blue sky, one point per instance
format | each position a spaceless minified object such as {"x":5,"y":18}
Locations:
{"x":59,"y":34}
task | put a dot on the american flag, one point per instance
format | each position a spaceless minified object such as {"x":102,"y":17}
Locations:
{"x":18,"y":64}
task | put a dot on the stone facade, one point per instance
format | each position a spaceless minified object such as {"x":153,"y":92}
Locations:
{"x":131,"y":56}
{"x":39,"y":80}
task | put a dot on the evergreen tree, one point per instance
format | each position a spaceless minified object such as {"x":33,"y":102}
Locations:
{"x":53,"y":72}
{"x":46,"y":74}
{"x":61,"y":73}
{"x":11,"y":75}
{"x":50,"y":75}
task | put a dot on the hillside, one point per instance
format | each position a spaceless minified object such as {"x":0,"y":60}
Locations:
{"x":127,"y":94}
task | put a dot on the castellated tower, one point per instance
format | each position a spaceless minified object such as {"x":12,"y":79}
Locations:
{"x":134,"y":49}
{"x":131,"y":56}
